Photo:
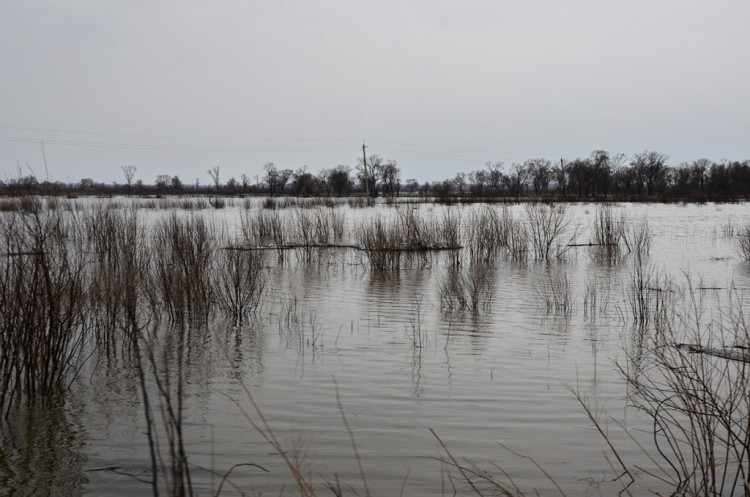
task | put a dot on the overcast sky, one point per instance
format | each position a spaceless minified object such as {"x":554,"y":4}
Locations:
{"x":178,"y":86}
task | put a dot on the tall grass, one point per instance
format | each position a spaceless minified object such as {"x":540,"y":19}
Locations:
{"x":486,"y":234}
{"x":184,"y":252}
{"x":607,"y":234}
{"x":265,"y":227}
{"x":490,"y":230}
{"x":122,"y":262}
{"x":555,"y":293}
{"x":381,"y":243}
{"x":468,"y":289}
{"x":449,"y":231}
{"x":638,"y":237}
{"x":75,"y":281}
{"x":389,"y":242}
{"x":43,"y":294}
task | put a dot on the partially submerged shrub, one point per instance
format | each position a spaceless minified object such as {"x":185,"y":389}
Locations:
{"x":692,"y":377}
{"x":184,"y":251}
{"x":241,"y":282}
{"x":43,"y":293}
{"x":466,"y":289}
{"x":546,"y":223}
{"x":607,"y":234}
{"x":484,"y":235}
{"x":388,"y":242}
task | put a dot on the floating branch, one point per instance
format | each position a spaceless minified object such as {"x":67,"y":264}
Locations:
{"x":736,"y":353}
{"x":293,"y":246}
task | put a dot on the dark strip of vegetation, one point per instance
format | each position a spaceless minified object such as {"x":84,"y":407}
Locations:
{"x":645,"y":176}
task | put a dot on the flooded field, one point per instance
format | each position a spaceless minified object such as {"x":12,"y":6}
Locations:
{"x":395,"y":349}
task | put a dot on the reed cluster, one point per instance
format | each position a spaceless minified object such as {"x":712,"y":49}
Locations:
{"x":119,"y":257}
{"x":555,"y":294}
{"x":43,"y":293}
{"x":484,"y":235}
{"x":74,"y":281}
{"x":637,"y":237}
{"x":389,"y":242}
{"x":183,"y":256}
{"x":469,"y":289}
{"x":264,"y":228}
{"x":607,"y":235}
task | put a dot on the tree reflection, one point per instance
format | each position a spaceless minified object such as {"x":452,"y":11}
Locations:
{"x":41,"y":450}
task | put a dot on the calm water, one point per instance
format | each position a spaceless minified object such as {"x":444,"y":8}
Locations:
{"x":402,"y":366}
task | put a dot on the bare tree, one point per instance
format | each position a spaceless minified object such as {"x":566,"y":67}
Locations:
{"x":600,"y":171}
{"x":176,"y":184}
{"x":478,"y":180}
{"x":517,"y":178}
{"x":370,"y":176}
{"x":339,"y":179}
{"x":460,"y":182}
{"x":540,"y":171}
{"x":162,"y":182}
{"x":304,"y":181}
{"x":129,"y":172}
{"x":390,"y":175}
{"x":651,"y":170}
{"x":214,"y":173}
{"x":494,"y":175}
{"x":276,"y":178}
{"x":560,"y":175}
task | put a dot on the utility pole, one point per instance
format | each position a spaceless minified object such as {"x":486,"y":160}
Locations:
{"x":44,"y":156}
{"x":367,"y":179}
{"x":562,"y":179}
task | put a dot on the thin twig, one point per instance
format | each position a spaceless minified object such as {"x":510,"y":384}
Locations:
{"x":351,"y":437}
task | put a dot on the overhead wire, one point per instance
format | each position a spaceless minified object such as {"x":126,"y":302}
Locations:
{"x":179,"y":148}
{"x":310,"y":145}
{"x":172,"y":137}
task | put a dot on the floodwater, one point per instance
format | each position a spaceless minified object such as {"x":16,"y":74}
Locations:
{"x":358,"y":372}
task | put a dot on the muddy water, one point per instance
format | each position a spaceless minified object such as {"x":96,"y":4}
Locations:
{"x":335,"y":343}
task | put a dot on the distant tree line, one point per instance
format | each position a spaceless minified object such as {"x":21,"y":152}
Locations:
{"x":602,"y":175}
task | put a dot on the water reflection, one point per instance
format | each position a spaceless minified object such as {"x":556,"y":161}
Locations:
{"x":244,"y":347}
{"x":42,"y":449}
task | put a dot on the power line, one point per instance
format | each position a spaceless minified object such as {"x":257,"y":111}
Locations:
{"x":179,"y":148}
{"x":432,"y":147}
{"x":310,"y":145}
{"x":171,"y":137}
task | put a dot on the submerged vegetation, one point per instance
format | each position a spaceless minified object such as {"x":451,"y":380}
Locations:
{"x":82,"y":284}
